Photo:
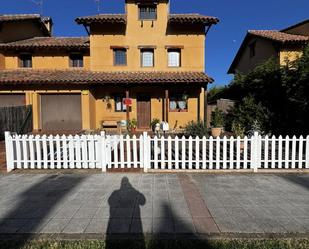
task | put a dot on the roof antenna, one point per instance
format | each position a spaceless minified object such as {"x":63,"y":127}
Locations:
{"x":98,"y":2}
{"x":39,"y":3}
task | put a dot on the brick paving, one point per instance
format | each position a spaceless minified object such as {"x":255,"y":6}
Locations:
{"x":172,"y":204}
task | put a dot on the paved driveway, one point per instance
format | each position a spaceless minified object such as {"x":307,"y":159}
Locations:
{"x":154,"y":204}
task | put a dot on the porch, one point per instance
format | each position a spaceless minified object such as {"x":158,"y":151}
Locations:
{"x":66,"y":100}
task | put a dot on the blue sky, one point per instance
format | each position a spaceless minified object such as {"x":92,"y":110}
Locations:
{"x":223,"y":40}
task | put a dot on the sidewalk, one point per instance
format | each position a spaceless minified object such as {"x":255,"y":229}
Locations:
{"x":150,"y":204}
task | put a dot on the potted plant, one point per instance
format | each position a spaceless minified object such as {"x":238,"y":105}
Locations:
{"x":217,"y":121}
{"x":153,"y":124}
{"x":239,"y":131}
{"x":132,"y":125}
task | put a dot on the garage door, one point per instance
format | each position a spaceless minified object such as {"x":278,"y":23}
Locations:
{"x":61,"y":112}
{"x":7,"y":100}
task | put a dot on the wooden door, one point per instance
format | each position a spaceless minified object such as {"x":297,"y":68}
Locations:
{"x":143,"y":111}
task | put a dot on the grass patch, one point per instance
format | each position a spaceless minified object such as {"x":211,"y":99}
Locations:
{"x":160,"y":244}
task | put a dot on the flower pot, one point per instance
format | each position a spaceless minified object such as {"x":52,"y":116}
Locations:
{"x":242,"y":147}
{"x":216,"y":132}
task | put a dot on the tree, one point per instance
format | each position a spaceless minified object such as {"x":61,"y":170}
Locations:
{"x":247,"y":113}
{"x":281,"y":93}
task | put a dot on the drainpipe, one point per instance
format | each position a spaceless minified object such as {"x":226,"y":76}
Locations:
{"x":166,"y":105}
{"x":205,"y":106}
{"x":128,"y":108}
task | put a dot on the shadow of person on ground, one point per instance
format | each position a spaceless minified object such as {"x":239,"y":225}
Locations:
{"x":125,"y":217}
{"x":27,"y":217}
{"x":301,"y":180}
{"x":177,"y":232}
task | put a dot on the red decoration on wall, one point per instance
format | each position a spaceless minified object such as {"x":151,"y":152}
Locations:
{"x":127,"y":101}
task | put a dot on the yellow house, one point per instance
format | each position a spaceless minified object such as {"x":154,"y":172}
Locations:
{"x":259,"y":45}
{"x":144,"y":64}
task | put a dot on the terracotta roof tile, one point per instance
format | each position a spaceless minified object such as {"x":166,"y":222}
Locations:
{"x":18,"y":17}
{"x":48,"y":42}
{"x":121,"y":18}
{"x":192,"y":18}
{"x":279,"y":36}
{"x":102,"y":18}
{"x":45,"y":77}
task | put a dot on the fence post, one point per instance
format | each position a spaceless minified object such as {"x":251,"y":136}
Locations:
{"x":307,"y":153}
{"x":146,"y":151}
{"x":255,"y":154}
{"x":9,"y":151}
{"x":103,"y":151}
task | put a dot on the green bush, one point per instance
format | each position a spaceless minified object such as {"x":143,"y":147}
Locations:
{"x":247,"y":113}
{"x":238,"y":129}
{"x":217,"y":118}
{"x":194,"y":129}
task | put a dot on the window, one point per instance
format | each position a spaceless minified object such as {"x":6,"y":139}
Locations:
{"x":25,"y":60}
{"x":147,"y":12}
{"x":252,"y":49}
{"x":120,"y":57}
{"x":178,"y":102}
{"x":76,"y":60}
{"x":147,"y":57}
{"x":119,"y":105}
{"x":174,"y":57}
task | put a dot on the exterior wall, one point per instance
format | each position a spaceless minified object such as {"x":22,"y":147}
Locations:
{"x":95,"y":110}
{"x":2,"y":61}
{"x":289,"y":55}
{"x":175,"y":119}
{"x":264,"y":50}
{"x":19,"y":30}
{"x":44,"y":61}
{"x":155,"y":33}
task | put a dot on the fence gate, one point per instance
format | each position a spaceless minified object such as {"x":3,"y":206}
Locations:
{"x":125,"y":152}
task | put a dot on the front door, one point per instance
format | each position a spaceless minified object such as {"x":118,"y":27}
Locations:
{"x":143,"y":111}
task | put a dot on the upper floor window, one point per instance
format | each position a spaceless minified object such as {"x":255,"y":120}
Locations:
{"x":147,"y":12}
{"x":76,"y":60}
{"x":120,"y":57}
{"x":25,"y":60}
{"x":147,"y":57}
{"x":174,"y":57}
{"x":252,"y":47}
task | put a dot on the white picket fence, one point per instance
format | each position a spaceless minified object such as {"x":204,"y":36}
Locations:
{"x":154,"y":153}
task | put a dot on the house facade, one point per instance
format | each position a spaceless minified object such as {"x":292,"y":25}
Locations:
{"x":144,"y":64}
{"x":260,"y":45}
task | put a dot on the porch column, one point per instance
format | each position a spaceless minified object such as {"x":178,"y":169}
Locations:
{"x":205,"y":106}
{"x":166,"y":105}
{"x":200,"y":105}
{"x":128,"y":108}
{"x":36,"y":108}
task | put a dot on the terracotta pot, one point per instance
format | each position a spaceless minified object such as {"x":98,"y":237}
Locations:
{"x":216,"y":132}
{"x":242,"y":147}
